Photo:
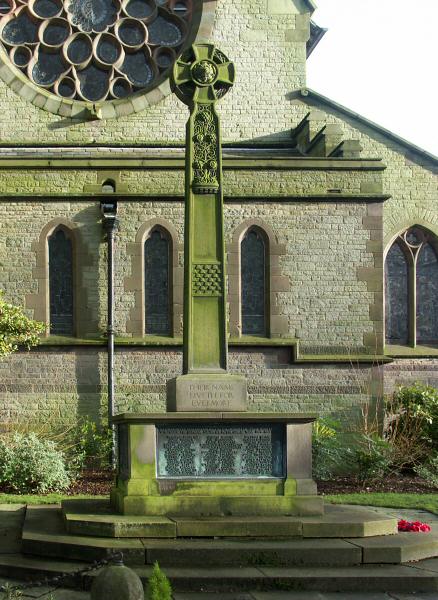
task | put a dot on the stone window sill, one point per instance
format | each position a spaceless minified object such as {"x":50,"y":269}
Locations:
{"x":156,"y":341}
{"x":410,"y":352}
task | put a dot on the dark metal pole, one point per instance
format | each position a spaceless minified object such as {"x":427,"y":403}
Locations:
{"x":110,"y":223}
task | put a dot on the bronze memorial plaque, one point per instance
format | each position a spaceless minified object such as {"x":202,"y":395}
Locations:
{"x":220,"y":451}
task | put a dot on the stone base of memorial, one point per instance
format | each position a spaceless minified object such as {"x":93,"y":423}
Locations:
{"x":207,"y":393}
{"x":213,"y":464}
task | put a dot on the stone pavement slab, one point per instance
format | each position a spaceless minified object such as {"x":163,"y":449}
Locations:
{"x":320,"y":596}
{"x":44,"y":593}
{"x":400,"y":548}
{"x":305,"y":596}
{"x":212,"y":596}
{"x":419,"y":596}
{"x":11,"y":523}
{"x":348,"y":521}
{"x":429,"y":564}
{"x":410,"y":514}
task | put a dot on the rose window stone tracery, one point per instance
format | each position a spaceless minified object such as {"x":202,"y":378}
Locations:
{"x":94,"y":50}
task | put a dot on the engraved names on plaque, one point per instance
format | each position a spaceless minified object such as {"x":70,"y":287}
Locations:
{"x":220,"y":451}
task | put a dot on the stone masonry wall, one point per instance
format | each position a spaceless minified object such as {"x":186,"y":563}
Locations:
{"x":267,"y":41}
{"x":326,"y":302}
{"x":411,"y":180}
{"x":60,"y":384}
{"x":407,"y":371}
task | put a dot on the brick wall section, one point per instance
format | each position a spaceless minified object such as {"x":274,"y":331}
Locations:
{"x":407,"y":371}
{"x":62,"y":384}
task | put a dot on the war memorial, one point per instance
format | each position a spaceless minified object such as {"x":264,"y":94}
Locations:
{"x":210,"y":292}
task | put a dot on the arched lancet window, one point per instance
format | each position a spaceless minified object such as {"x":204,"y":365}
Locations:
{"x":253,"y":276}
{"x":411,"y":289}
{"x":60,"y":252}
{"x":157,"y":277}
{"x":397,"y":296}
{"x":427,"y":295}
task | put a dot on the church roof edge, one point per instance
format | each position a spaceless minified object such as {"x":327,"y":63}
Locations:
{"x":311,"y":4}
{"x":316,"y":35}
{"x":309,"y":94}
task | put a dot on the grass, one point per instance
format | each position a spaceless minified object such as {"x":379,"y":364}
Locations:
{"x":53,"y":498}
{"x":391,"y":500}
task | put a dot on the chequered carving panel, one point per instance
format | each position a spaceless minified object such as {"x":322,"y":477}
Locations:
{"x":207,"y":280}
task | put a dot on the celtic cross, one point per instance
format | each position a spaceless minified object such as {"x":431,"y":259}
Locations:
{"x":202,"y":76}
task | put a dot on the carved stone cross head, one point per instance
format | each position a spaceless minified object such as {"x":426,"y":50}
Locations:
{"x":202,"y":75}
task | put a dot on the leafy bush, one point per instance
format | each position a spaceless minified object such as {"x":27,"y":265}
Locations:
{"x":16,"y":329}
{"x":158,"y":585}
{"x":429,"y":471}
{"x":373,"y":457}
{"x":415,"y":407}
{"x":92,"y":443}
{"x":29,"y":464}
{"x":84,"y":443}
{"x":330,"y":451}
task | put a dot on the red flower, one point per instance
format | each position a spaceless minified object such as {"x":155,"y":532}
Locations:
{"x":416,"y":526}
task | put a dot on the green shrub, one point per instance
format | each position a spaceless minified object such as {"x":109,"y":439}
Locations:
{"x":16,"y":329}
{"x":373,"y":457}
{"x":29,"y":464}
{"x":158,"y":587}
{"x":330,"y":450}
{"x":429,"y":471}
{"x":415,"y":406}
{"x":92,"y":443}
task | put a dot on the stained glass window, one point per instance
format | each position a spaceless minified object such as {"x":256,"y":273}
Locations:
{"x":253,"y":283}
{"x":157,"y":283}
{"x":412,"y":264}
{"x":427,"y":295}
{"x":396,"y":296}
{"x":95,"y":50}
{"x":61,"y":283}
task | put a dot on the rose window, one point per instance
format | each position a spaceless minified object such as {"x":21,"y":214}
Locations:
{"x":94,"y":50}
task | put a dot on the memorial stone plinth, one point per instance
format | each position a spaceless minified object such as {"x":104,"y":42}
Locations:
{"x":201,"y":464}
{"x":207,"y":455}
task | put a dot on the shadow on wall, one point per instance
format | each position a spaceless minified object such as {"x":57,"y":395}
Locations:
{"x":90,"y":375}
{"x":90,"y":299}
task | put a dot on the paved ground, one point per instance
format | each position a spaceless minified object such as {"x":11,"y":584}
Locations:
{"x":11,"y":518}
{"x":46,"y":594}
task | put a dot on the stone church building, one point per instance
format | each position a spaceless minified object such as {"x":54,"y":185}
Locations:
{"x":331,"y":221}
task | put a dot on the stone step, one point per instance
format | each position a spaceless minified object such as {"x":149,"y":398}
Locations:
{"x":363,"y":578}
{"x":44,"y":535}
{"x":241,"y":553}
{"x":306,"y":595}
{"x":337,"y":522}
{"x":416,"y":577}
{"x":95,"y":518}
{"x":28,"y":569}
